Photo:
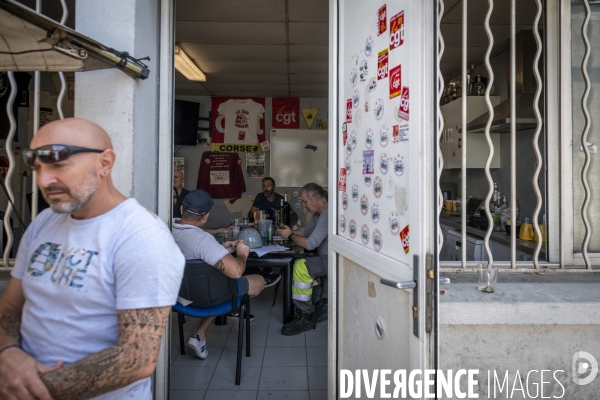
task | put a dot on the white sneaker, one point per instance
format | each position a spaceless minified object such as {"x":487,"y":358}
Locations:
{"x":197,"y":348}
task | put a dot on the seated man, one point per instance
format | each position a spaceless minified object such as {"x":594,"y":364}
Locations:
{"x":313,"y":236}
{"x":194,"y":242}
{"x":179,"y":192}
{"x":269,"y":201}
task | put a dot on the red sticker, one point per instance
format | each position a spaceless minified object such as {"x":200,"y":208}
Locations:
{"x":381,"y":20}
{"x":395,"y":133}
{"x":397,"y":30}
{"x":344,"y":133}
{"x":403,"y":109}
{"x":342,"y":182}
{"x":395,"y":81}
{"x":349,"y":110}
{"x":405,"y":239}
{"x":382,"y":64}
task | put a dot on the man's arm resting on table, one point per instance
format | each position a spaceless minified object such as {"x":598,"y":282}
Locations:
{"x":131,"y":359}
{"x":231,"y":266}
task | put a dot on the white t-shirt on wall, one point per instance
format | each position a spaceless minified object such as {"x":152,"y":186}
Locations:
{"x":242,"y":119}
{"x":76,"y":274}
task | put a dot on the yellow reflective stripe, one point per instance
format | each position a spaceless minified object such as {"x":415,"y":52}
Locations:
{"x":302,"y":281}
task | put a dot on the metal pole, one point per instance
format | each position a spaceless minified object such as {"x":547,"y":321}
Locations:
{"x":36,"y":126}
{"x":463,"y":171}
{"x":513,"y":130}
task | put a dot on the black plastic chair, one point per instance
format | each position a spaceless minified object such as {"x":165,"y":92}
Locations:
{"x":203,"y":284}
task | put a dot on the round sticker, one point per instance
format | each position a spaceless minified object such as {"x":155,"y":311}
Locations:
{"x":399,"y":165}
{"x":375,"y":213}
{"x":368,"y":180}
{"x":377,"y":187}
{"x":364,"y":204}
{"x":295,"y":194}
{"x":369,"y":138}
{"x":369,"y":46}
{"x":378,"y":109}
{"x":363,"y":70}
{"x":355,"y":192}
{"x":349,"y":147}
{"x":353,"y":139}
{"x":342,"y":223}
{"x":394,"y":222}
{"x":353,"y":77}
{"x":344,"y":200}
{"x":358,"y":117}
{"x":364,"y":234}
{"x":207,"y":161}
{"x":355,"y":98}
{"x":352,"y":228}
{"x":297,"y":205}
{"x":377,"y":240}
{"x":384,"y":135}
{"x":384,"y":163}
{"x":348,"y":165}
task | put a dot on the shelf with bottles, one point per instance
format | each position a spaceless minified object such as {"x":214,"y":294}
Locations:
{"x":475,"y":86}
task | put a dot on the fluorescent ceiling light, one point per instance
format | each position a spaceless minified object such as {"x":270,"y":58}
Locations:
{"x":187,"y":67}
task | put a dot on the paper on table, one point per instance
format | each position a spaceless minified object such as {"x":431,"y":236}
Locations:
{"x":184,"y":302}
{"x":261,"y":251}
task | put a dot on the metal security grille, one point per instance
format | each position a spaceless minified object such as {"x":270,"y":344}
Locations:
{"x":7,"y":262}
{"x":537,"y":103}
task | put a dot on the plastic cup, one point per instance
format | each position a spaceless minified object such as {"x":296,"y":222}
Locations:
{"x":270,"y":229}
{"x":487,"y":278}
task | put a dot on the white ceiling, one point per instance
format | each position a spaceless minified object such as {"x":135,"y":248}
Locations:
{"x":263,"y":48}
{"x":279,"y":48}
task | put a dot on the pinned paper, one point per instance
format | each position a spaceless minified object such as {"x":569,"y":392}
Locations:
{"x":310,"y":114}
{"x":265,"y":146}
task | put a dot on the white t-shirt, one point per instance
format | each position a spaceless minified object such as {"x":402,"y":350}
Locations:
{"x":196,"y":243}
{"x":242,"y":119}
{"x":76,"y":274}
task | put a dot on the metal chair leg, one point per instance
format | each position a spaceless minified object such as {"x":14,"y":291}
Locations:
{"x":247,"y":327}
{"x":180,"y":322}
{"x":323,"y":280}
{"x":238,"y":368}
{"x":277,"y":288}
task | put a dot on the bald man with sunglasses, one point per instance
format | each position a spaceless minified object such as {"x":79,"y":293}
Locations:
{"x":94,"y":279}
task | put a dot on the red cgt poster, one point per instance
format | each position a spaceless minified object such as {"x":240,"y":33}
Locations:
{"x":218,"y":122}
{"x":286,"y":113}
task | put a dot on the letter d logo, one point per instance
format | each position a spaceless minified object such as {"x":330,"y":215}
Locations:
{"x":580,"y":368}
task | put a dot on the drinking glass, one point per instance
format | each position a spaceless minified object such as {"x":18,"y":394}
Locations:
{"x":270,"y":229}
{"x":487,"y":277}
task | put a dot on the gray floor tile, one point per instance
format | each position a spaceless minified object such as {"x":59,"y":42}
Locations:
{"x":257,"y":338}
{"x":283,"y":378}
{"x":285,"y":357}
{"x":191,"y":378}
{"x":174,"y":354}
{"x":188,"y":360}
{"x":216,"y":339}
{"x":224,"y":379}
{"x":186,"y":395}
{"x":229,"y":357}
{"x":318,"y":395}
{"x":220,"y":328}
{"x":321,"y":326}
{"x":260,"y":323}
{"x":283,"y":395}
{"x":317,"y":378}
{"x":316,"y":356}
{"x":276,"y":339}
{"x":230,"y":395}
{"x":316,"y":339}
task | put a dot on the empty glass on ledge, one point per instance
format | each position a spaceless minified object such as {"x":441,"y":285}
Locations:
{"x":487,"y":278}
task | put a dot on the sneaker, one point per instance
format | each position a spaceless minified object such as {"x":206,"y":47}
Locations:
{"x":302,"y":322}
{"x":321,"y":310}
{"x":270,"y":280}
{"x":237,"y":315}
{"x":197,"y":349}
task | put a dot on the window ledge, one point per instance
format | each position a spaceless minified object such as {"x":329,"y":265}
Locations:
{"x":523,"y":299}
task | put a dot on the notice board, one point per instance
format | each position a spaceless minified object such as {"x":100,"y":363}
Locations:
{"x":299,"y":156}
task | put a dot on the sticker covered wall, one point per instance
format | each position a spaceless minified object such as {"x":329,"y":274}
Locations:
{"x":374,"y":140}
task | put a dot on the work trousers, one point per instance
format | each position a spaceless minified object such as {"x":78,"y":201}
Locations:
{"x":304,"y":295}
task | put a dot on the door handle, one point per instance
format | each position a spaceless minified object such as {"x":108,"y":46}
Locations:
{"x":399,"y":285}
{"x":409,"y":284}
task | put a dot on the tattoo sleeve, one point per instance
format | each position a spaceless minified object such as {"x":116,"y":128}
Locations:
{"x":140,"y":332}
{"x":10,"y":323}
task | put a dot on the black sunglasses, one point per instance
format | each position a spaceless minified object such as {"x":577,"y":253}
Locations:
{"x":52,"y":153}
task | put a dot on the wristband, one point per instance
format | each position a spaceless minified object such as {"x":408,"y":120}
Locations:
{"x":290,"y":237}
{"x":9,"y":346}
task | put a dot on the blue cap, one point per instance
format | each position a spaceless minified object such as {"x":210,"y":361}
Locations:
{"x":197,"y":202}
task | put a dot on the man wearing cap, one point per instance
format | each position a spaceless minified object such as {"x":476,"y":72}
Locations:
{"x":93,"y":282}
{"x":194,"y":242}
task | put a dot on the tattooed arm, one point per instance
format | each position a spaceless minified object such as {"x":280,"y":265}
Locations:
{"x":18,"y":370}
{"x":232,"y":266}
{"x":131,"y":359}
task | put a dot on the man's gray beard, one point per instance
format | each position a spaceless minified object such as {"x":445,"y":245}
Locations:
{"x":268,"y":194}
{"x":79,"y":197}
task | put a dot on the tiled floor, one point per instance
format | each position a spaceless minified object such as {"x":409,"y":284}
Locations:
{"x":279,"y":367}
